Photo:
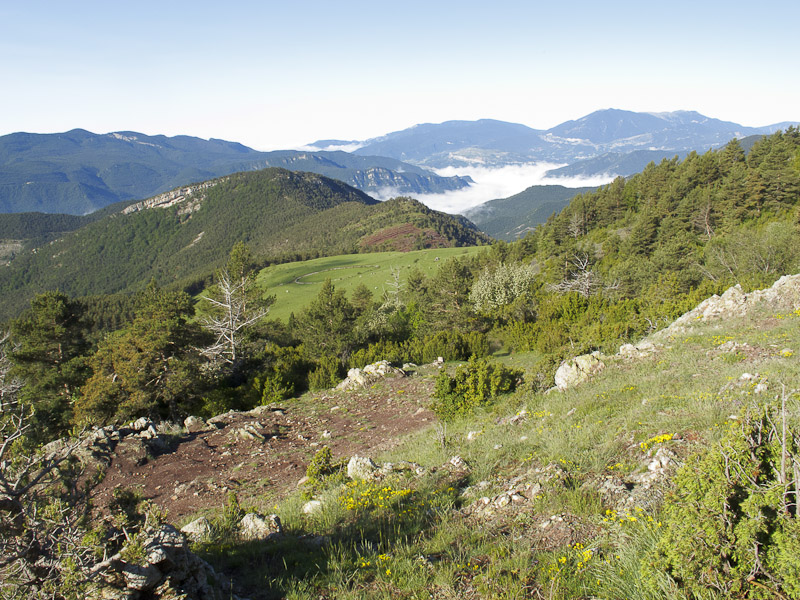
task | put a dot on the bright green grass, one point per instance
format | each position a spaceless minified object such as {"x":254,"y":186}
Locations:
{"x":296,"y":284}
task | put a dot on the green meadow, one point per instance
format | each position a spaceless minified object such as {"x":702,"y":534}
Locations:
{"x":296,"y":284}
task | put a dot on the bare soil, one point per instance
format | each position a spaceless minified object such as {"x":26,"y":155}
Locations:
{"x":197,"y":472}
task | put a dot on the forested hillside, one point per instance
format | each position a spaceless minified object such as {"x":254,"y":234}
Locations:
{"x":282,"y":215}
{"x":513,"y":217}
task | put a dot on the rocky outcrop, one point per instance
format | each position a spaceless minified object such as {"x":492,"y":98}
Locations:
{"x":368,"y":375}
{"x":577,"y":370}
{"x":164,"y":567}
{"x":784,"y":294}
{"x":173,"y":197}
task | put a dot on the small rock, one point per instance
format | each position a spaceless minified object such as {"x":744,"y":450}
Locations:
{"x":579,"y":369}
{"x":472,"y":435}
{"x":248,"y":432}
{"x":458,"y":462}
{"x":255,"y":527}
{"x":140,"y":424}
{"x":361,"y":467}
{"x":194,"y":424}
{"x":198,"y":530}
{"x":312,"y":506}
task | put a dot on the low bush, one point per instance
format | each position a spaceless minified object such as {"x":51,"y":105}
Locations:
{"x":732,"y":523}
{"x":473,"y":384}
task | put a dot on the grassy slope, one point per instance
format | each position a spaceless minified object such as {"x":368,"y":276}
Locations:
{"x":419,"y":536}
{"x":296,"y":284}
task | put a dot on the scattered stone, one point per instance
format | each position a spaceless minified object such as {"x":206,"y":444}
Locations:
{"x":256,"y":527}
{"x":458,"y":463}
{"x":194,"y":424}
{"x":312,"y":507}
{"x":361,"y":467}
{"x":579,"y":369}
{"x":368,"y":375}
{"x":473,"y":435}
{"x":198,"y":530}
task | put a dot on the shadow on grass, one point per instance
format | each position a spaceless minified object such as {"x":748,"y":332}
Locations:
{"x":317,"y":558}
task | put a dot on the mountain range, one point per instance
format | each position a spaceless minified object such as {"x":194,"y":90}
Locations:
{"x":78,"y":172}
{"x":493,"y":143}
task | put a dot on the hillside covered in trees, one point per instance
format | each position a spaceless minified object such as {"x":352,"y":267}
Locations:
{"x":282,"y":215}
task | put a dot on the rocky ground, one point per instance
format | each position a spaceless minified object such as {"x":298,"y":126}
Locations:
{"x":263,"y":453}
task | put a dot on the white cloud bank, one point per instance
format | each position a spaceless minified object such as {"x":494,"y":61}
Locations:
{"x":499,"y":183}
{"x":348,"y":147}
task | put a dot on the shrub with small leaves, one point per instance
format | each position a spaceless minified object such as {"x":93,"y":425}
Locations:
{"x":320,"y":469}
{"x":326,"y":375}
{"x":473,"y":384}
{"x":732,"y":522}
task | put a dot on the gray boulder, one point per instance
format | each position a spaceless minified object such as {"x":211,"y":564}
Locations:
{"x":255,"y":527}
{"x":361,"y":467}
{"x":577,"y":370}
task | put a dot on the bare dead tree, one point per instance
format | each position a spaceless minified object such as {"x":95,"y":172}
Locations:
{"x":235,"y":309}
{"x":580,"y":278}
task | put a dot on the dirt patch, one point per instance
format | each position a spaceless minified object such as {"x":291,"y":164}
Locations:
{"x":197,"y":470}
{"x":404,"y":238}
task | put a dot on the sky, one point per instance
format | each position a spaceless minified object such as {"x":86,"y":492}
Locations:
{"x":275,"y":75}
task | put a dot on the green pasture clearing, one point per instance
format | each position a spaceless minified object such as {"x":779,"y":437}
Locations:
{"x":296,"y":284}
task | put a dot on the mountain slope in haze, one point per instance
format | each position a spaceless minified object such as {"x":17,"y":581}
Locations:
{"x":418,"y":144}
{"x":614,"y":163}
{"x":180,"y":237}
{"x":510,"y":218}
{"x":78,"y":172}
{"x":497,"y":143}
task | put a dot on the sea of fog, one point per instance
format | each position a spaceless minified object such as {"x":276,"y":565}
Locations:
{"x":494,"y":183}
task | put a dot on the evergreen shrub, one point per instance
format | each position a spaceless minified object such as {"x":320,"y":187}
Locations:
{"x":732,"y":522}
{"x":473,"y":384}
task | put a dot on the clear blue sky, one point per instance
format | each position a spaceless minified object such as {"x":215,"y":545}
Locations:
{"x":280,"y":74}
